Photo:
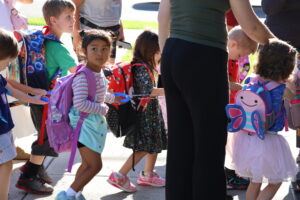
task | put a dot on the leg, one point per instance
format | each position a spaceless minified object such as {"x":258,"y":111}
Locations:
{"x":94,"y":164}
{"x":150,"y":162}
{"x":138,"y":155}
{"x":269,"y":192}
{"x":253,"y":191}
{"x":5,"y":173}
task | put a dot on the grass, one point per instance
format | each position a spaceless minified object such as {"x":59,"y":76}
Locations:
{"x":127,"y":24}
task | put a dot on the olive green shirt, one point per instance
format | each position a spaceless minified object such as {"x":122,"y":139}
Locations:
{"x":200,"y":21}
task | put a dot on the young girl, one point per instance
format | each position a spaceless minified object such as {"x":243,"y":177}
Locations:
{"x":96,"y":46}
{"x":9,"y":50}
{"x":270,"y":158}
{"x":150,"y":137}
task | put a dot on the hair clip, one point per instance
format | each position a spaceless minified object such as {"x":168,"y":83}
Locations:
{"x":293,"y":50}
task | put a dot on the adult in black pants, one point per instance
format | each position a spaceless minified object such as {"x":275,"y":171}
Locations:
{"x":195,"y":78}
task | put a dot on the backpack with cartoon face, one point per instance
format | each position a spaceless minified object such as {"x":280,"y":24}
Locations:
{"x":253,"y":110}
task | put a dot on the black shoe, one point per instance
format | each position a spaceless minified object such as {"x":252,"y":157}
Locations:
{"x":228,"y":197}
{"x":42,"y":174}
{"x":33,"y":185}
{"x":237,"y":183}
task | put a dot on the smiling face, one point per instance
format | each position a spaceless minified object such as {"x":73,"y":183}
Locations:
{"x":250,"y":101}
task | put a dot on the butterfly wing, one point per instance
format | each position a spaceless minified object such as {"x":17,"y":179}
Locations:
{"x":237,"y":117}
{"x":258,"y":125}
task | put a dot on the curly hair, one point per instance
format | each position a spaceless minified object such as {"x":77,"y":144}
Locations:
{"x":276,"y":60}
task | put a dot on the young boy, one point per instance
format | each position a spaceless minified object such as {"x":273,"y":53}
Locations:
{"x":239,"y":45}
{"x":9,"y":50}
{"x":59,"y":16}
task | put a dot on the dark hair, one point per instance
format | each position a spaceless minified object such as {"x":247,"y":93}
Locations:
{"x":90,"y":35}
{"x":8,"y":44}
{"x":54,"y":8}
{"x":276,"y":60}
{"x":146,"y":46}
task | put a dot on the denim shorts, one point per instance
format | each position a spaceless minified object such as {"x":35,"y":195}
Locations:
{"x":7,"y":148}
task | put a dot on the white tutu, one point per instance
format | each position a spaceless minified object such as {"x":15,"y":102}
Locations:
{"x":258,"y":159}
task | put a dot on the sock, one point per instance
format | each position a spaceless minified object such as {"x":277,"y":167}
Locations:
{"x":31,"y":170}
{"x":70,"y":192}
{"x":78,"y":194}
{"x":145,"y":173}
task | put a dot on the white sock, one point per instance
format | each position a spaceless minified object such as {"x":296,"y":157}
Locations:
{"x":78,"y":194}
{"x":71,"y":192}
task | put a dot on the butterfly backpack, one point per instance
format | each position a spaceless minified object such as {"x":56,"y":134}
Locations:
{"x":252,"y":111}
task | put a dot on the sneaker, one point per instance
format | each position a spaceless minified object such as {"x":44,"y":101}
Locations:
{"x":152,"y":179}
{"x":34,"y":186}
{"x":63,"y":196}
{"x":79,"y":196}
{"x":42,"y":174}
{"x":122,"y":182}
{"x":237,"y":183}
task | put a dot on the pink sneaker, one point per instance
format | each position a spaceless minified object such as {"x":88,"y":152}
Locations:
{"x":122,"y":182}
{"x":152,"y":179}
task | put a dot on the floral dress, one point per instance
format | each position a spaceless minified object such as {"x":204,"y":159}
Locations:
{"x":151,"y":133}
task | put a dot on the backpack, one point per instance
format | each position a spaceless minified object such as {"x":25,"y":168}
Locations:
{"x":253,"y":110}
{"x":31,"y":61}
{"x":121,"y":119}
{"x":62,"y":137}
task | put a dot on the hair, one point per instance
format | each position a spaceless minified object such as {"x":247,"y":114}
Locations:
{"x":8,"y":44}
{"x":276,"y":60}
{"x":54,"y":8}
{"x":146,"y":46}
{"x":243,"y":41}
{"x":90,"y":35}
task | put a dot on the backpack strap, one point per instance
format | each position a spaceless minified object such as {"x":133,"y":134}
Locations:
{"x":91,"y":80}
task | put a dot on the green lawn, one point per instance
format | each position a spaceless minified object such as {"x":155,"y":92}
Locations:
{"x":126,"y":23}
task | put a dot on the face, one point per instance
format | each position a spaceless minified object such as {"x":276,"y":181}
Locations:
{"x":4,"y":63}
{"x":65,"y":21}
{"x":235,"y":52}
{"x":249,"y":101}
{"x":97,"y":54}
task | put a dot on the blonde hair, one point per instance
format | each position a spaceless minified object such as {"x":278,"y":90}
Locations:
{"x":243,"y":41}
{"x":54,"y":8}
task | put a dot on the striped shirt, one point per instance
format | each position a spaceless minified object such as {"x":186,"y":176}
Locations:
{"x":80,"y":90}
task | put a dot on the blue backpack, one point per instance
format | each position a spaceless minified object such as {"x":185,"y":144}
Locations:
{"x":253,"y":110}
{"x":30,"y":66}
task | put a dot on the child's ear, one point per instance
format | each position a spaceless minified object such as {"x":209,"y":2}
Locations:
{"x":52,"y":20}
{"x":233,"y":43}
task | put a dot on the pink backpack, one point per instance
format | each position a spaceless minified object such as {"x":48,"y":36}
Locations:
{"x":62,"y":137}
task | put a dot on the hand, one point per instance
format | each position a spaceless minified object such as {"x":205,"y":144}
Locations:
{"x":37,"y":91}
{"x":118,"y":99}
{"x":37,"y":100}
{"x":77,"y":42}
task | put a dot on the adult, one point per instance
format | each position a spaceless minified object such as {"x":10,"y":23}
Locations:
{"x":282,"y":17}
{"x":99,"y":14}
{"x":194,"y":72}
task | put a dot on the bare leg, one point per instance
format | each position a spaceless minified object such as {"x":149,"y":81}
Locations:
{"x":38,"y":160}
{"x":138,"y":155}
{"x":269,"y":192}
{"x":150,"y":162}
{"x":253,"y":191}
{"x":92,"y":161}
{"x":5,"y":173}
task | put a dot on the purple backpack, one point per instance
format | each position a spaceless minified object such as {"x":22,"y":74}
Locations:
{"x":62,"y":137}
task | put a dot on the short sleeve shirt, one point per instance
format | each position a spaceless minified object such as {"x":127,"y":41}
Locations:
{"x":58,"y":57}
{"x":6,"y":123}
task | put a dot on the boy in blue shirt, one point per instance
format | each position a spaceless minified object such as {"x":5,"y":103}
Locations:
{"x":59,"y":16}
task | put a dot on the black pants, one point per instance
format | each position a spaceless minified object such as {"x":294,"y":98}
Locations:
{"x":196,"y":86}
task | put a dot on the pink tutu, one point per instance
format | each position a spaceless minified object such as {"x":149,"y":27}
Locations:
{"x":258,"y":159}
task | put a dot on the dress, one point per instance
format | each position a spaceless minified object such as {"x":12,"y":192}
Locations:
{"x":151,"y":134}
{"x":270,"y":158}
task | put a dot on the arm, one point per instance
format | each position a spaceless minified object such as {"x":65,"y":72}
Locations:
{"x":22,"y":96}
{"x":272,"y":6}
{"x":121,"y":30}
{"x":76,"y":37}
{"x":25,"y":88}
{"x":249,"y":22}
{"x":157,"y":92}
{"x":164,"y":20}
{"x":81,"y":103}
{"x":25,"y":1}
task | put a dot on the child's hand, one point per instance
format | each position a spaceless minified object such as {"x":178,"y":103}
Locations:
{"x":38,"y":100}
{"x":118,"y":99}
{"x":235,"y":86}
{"x":37,"y":91}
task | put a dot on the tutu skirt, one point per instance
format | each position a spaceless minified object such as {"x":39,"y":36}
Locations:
{"x":258,"y":159}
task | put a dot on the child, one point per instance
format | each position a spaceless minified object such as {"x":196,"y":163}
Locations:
{"x":96,"y":46}
{"x":150,"y":137}
{"x":239,"y":45}
{"x":9,"y":50}
{"x":59,"y":16}
{"x":270,"y":158}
